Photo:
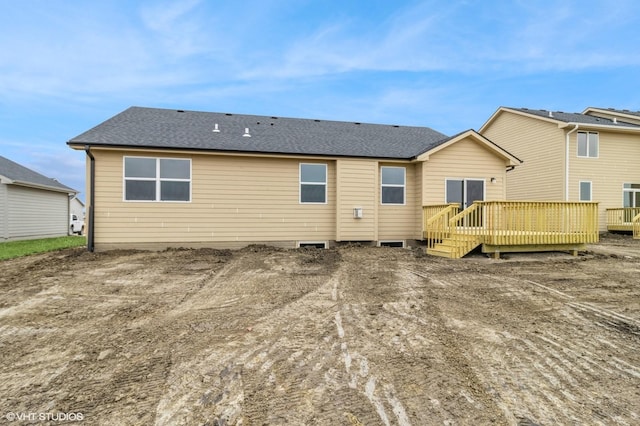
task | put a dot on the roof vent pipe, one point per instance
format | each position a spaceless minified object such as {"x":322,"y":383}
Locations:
{"x":215,"y":128}
{"x":551,"y":114}
{"x":615,"y":120}
{"x":246,"y":133}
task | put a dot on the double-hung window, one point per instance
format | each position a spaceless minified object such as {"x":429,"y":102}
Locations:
{"x":392,"y":185}
{"x":588,"y":144}
{"x":313,"y":183}
{"x":157,"y":179}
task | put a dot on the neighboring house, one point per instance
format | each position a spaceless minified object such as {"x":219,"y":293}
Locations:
{"x":76,"y":207}
{"x":589,"y":156}
{"x":31,"y":205}
{"x":160,"y":178}
{"x":617,"y":114}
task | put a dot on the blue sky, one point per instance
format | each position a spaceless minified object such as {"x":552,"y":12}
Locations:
{"x":68,"y":65}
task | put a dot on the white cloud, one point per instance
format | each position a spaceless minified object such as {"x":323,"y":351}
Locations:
{"x":466,"y":37}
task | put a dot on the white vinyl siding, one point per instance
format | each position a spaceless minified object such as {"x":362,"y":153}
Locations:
{"x":36,"y":213}
{"x":4,"y":212}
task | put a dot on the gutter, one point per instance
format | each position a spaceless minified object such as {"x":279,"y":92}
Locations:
{"x":92,"y":198}
{"x":566,"y":165}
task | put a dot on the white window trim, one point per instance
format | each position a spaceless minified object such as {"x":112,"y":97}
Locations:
{"x":578,"y":149}
{"x":404,"y":186}
{"x":300,"y":183}
{"x":631,"y":190}
{"x":157,"y":180}
{"x":590,"y":190}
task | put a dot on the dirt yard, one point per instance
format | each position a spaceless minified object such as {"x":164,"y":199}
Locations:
{"x":351,"y":336}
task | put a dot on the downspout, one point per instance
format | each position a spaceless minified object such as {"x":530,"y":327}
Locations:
{"x":92,"y":197}
{"x":566,"y":165}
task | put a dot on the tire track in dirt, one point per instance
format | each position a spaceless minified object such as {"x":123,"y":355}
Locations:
{"x":373,"y":384}
{"x":275,"y":379}
{"x":536,"y":374}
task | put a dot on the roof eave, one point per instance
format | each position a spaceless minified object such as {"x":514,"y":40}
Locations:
{"x":517,"y":112}
{"x":622,"y":129}
{"x":512,"y":159}
{"x":46,"y":187}
{"x":82,"y":146}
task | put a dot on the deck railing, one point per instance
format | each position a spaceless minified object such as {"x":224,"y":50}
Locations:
{"x":436,"y":221}
{"x":636,"y":227}
{"x":522,"y":223}
{"x":624,"y":219}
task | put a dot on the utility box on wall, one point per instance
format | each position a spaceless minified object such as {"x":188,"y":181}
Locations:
{"x":357,"y":212}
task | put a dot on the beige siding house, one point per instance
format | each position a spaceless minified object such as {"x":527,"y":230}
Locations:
{"x":589,"y":156}
{"x":158,"y":178}
{"x":31,"y":205}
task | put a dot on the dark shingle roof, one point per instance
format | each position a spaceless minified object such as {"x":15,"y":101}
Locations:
{"x":574,"y":117}
{"x":622,"y":111}
{"x":165,"y":128}
{"x":23,"y":175}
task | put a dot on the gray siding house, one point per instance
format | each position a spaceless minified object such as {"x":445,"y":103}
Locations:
{"x":31,"y":205}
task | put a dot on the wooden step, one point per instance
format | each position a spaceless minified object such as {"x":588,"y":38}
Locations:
{"x":450,"y":247}
{"x":440,"y":253}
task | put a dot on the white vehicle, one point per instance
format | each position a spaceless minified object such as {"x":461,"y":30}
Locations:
{"x":76,"y":225}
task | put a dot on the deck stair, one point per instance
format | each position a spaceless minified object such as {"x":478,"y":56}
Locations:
{"x":455,"y":248}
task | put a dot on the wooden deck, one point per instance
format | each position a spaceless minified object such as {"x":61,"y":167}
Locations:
{"x":509,"y":226}
{"x":625,"y":219}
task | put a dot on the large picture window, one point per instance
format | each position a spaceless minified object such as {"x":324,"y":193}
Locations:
{"x":392,"y":185}
{"x":157,"y":179}
{"x":313,"y":183}
{"x":587,"y":144}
